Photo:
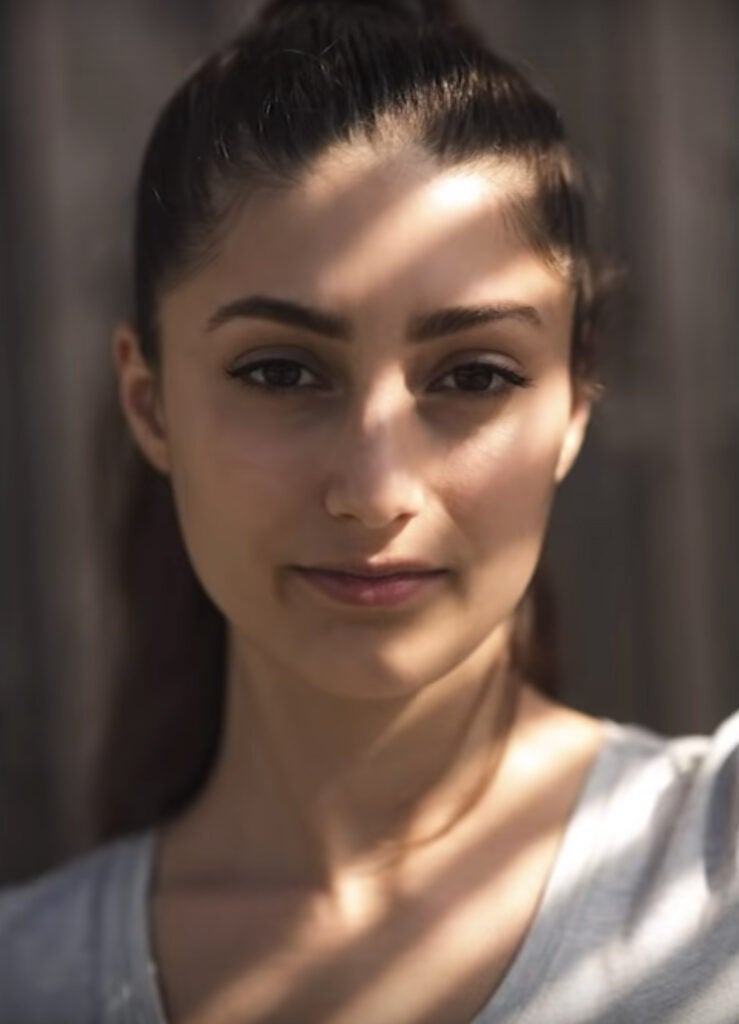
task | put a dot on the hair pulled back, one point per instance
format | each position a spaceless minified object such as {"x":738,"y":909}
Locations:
{"x":303,"y":76}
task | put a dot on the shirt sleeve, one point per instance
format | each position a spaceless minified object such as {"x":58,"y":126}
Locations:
{"x":48,"y":946}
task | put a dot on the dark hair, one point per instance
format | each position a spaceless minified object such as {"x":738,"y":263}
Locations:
{"x":302,"y":77}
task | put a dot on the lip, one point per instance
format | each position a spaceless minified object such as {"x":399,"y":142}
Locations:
{"x":375,"y":589}
{"x":374,"y":569}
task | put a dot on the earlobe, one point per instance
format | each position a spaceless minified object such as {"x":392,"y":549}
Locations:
{"x":140,"y":398}
{"x":573,"y":439}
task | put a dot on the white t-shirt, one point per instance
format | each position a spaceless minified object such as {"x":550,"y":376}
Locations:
{"x":638,"y":923}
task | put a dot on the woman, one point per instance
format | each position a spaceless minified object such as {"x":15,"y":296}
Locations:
{"x":361,"y":362}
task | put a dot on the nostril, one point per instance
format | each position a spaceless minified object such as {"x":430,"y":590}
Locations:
{"x":376,"y":499}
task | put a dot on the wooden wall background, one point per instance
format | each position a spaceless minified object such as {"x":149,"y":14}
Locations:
{"x":645,"y":539}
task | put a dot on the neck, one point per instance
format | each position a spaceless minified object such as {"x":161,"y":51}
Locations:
{"x":311,"y":789}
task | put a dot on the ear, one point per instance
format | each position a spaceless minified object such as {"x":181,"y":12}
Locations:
{"x":140,"y":397}
{"x":574,"y":436}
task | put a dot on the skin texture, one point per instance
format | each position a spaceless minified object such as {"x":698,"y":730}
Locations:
{"x":355,"y":734}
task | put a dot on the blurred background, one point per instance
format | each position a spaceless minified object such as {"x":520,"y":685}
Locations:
{"x":644,"y":543}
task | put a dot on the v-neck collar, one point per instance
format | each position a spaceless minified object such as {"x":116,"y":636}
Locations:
{"x":563,"y":893}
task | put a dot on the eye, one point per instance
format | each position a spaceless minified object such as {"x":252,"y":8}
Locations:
{"x":482,"y":378}
{"x":277,"y":375}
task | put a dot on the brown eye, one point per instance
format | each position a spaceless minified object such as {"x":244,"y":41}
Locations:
{"x":277,"y":375}
{"x":480,"y":377}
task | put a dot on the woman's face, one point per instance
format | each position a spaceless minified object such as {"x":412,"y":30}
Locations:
{"x":377,"y":427}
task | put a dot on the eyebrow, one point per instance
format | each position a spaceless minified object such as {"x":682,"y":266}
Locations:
{"x":425,"y":327}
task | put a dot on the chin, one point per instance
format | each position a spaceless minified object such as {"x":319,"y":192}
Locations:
{"x":395,"y":670}
{"x":363,"y":686}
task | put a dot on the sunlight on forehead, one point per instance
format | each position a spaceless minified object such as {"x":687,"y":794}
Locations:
{"x":453,"y":221}
{"x":458,"y":190}
{"x":469,"y":188}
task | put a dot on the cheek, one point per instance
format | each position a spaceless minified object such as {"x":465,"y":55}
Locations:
{"x":243,"y":487}
{"x":236,"y":486}
{"x":229,"y":459}
{"x":502,"y":484}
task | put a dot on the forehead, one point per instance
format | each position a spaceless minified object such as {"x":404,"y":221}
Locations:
{"x":365,"y":228}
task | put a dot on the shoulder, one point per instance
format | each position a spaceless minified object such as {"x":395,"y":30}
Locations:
{"x":674,"y":801}
{"x":54,"y":936}
{"x":667,"y":897}
{"x":692,"y":781}
{"x":640,"y":918}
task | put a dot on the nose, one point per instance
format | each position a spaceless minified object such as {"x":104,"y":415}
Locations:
{"x":376,"y":473}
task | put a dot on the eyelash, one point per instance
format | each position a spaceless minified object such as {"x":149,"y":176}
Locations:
{"x":509,"y":378}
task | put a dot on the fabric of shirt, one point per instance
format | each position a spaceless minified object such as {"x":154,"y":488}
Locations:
{"x":638,"y":922}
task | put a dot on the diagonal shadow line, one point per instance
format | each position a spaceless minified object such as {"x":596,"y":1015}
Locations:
{"x":467,"y":886}
{"x":381,"y":209}
{"x":459,"y":886}
{"x":684,"y":979}
{"x":681,"y":974}
{"x":451,"y":879}
{"x":684,"y":975}
{"x":373,"y":294}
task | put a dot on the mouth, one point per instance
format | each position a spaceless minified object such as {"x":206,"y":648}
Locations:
{"x":373,"y":589}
